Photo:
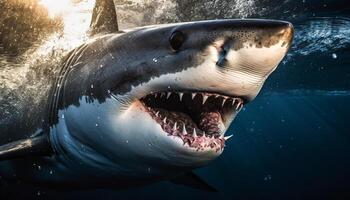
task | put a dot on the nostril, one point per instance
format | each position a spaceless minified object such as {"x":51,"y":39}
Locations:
{"x":225,"y":48}
{"x":222,"y":59}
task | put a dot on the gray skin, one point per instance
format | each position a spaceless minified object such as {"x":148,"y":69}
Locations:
{"x":99,"y":130}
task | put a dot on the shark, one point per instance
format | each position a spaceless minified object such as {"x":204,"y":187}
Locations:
{"x":146,"y":104}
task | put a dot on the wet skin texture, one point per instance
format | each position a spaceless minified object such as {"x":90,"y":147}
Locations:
{"x":104,"y":80}
{"x":117,"y":62}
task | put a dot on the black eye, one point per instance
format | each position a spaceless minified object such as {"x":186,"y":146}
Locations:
{"x":176,"y":40}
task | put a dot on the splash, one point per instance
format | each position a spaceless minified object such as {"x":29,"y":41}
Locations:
{"x":132,"y":13}
{"x":321,"y":34}
{"x":27,"y":80}
{"x":245,"y":8}
{"x":55,"y":7}
{"x":76,"y":21}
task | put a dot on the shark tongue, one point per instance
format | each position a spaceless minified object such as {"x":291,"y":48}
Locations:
{"x":210,"y":122}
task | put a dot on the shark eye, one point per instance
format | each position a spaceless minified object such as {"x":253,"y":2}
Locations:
{"x":176,"y":40}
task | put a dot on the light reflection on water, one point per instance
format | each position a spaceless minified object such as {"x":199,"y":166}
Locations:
{"x":76,"y":20}
{"x":55,"y":7}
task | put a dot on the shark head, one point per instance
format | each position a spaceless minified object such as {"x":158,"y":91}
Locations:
{"x":157,"y":99}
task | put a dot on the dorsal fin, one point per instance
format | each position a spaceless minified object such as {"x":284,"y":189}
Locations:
{"x":36,"y":146}
{"x":104,"y":18}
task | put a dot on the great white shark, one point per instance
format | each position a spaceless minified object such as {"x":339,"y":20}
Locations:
{"x":147,"y":104}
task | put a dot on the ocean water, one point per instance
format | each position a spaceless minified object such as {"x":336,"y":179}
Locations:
{"x":292,"y":141}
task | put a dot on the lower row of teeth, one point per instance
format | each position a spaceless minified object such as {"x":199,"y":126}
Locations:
{"x":194,"y":132}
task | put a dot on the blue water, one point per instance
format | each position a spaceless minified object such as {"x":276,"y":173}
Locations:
{"x":292,"y":141}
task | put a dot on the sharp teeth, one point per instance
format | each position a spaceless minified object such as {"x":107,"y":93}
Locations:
{"x":194,"y":132}
{"x":193,"y":95}
{"x":227,"y":137}
{"x":168,"y":95}
{"x":238,"y":104}
{"x":223,"y":102}
{"x":175,"y":127}
{"x":184,"y":132}
{"x":164,"y":120}
{"x":155,"y":95}
{"x":205,"y":97}
{"x":181,"y":95}
{"x":233,"y":101}
{"x":240,"y":107}
{"x":162,"y":94}
{"x":157,"y":113}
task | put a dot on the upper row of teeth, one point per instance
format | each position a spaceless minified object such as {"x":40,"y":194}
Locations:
{"x":237,"y":101}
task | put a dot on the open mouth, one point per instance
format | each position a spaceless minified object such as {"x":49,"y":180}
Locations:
{"x":199,"y":119}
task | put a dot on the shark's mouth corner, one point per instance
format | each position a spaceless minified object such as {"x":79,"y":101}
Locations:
{"x":200,"y":119}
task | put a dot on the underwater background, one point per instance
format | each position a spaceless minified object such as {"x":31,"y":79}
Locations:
{"x":291,"y":142}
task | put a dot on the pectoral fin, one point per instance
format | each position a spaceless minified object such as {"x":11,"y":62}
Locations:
{"x":36,"y":146}
{"x":192,"y":180}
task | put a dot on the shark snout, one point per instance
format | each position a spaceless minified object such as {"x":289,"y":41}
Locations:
{"x":264,"y":35}
{"x":246,"y":54}
{"x":283,"y":33}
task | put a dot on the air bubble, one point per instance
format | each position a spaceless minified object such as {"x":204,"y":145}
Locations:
{"x":268,"y":177}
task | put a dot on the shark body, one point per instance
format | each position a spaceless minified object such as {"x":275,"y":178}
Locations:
{"x":147,"y":104}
